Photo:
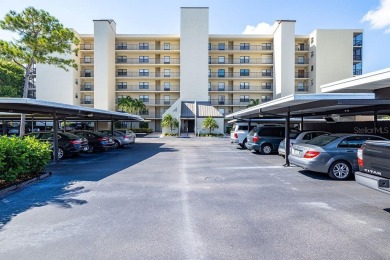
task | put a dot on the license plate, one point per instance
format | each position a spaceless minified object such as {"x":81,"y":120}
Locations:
{"x":296,"y":152}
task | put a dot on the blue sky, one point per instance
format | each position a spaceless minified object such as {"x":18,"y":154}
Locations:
{"x":228,"y":17}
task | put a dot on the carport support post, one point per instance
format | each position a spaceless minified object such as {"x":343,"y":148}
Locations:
{"x":4,"y":127}
{"x":55,"y":136}
{"x":287,"y":136}
{"x":112,"y":126}
{"x":375,"y":121}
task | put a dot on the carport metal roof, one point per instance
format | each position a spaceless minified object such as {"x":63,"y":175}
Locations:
{"x":42,"y":108}
{"x":314,"y":105}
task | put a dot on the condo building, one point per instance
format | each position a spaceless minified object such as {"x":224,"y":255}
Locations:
{"x":196,"y":74}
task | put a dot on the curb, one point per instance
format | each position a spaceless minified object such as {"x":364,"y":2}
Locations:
{"x":21,"y":185}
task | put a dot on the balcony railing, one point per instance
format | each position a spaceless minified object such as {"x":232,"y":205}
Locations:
{"x":300,"y":75}
{"x":152,"y":47}
{"x":86,"y":47}
{"x":137,"y":74}
{"x":138,"y":88}
{"x":146,"y":61}
{"x":240,"y":88}
{"x":86,"y":74}
{"x":301,"y":88}
{"x":86,"y":101}
{"x":302,"y":61}
{"x":152,"y":102}
{"x":357,"y":72}
{"x":357,"y":57}
{"x":240,"y":48}
{"x":86,"y":60}
{"x":300,"y":47}
{"x":240,"y":75}
{"x":86,"y":88}
{"x":357,"y":43}
{"x":241,"y":61}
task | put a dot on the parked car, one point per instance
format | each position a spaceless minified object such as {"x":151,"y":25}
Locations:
{"x":96,"y":141}
{"x":239,"y":132}
{"x":68,"y":144}
{"x":334,"y":154}
{"x":120,"y":139}
{"x":129,"y":133}
{"x":302,"y":137}
{"x":374,"y":170}
{"x":266,"y":138}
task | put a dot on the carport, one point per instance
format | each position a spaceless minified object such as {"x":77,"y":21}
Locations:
{"x":59,"y":111}
{"x":316,"y":106}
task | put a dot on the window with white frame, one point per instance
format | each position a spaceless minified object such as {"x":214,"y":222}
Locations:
{"x":244,"y":72}
{"x":244,"y":46}
{"x":122,"y":85}
{"x":143,"y":59}
{"x":144,"y":98}
{"x":300,"y":86}
{"x":266,"y":46}
{"x":167,"y":86}
{"x":209,"y":86}
{"x":167,"y":59}
{"x":221,"y":46}
{"x":87,"y":59}
{"x":244,"y":98}
{"x":221,"y":73}
{"x":167,"y":73}
{"x":221,"y":86}
{"x":209,"y":59}
{"x":221,"y":100}
{"x":167,"y":100}
{"x":143,"y":72}
{"x":87,"y":85}
{"x":244,"y":85}
{"x":221,"y":110}
{"x":143,"y":85}
{"x":167,"y":46}
{"x":244,"y":59}
{"x":266,"y":72}
{"x":121,"y":59}
{"x":143,"y":46}
{"x":266,"y":85}
{"x":221,"y":59}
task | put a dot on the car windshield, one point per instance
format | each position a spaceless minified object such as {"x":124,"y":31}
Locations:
{"x":322,"y":140}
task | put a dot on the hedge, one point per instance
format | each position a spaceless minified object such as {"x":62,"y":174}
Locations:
{"x":137,"y":130}
{"x":22,"y":156}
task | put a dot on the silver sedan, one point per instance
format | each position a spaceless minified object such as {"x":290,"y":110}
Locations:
{"x":334,"y":154}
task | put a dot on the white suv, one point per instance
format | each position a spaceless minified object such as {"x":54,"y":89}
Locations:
{"x":239,"y":132}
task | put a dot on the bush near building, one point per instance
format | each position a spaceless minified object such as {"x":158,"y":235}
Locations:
{"x":21,"y":157}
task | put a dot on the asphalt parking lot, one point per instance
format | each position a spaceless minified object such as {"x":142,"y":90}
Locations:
{"x":191,"y":198}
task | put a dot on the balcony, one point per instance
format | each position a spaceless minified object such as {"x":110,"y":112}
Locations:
{"x":302,"y":47}
{"x":86,"y":88}
{"x":240,"y":48}
{"x":86,"y":61}
{"x":216,"y":88}
{"x":302,"y":61}
{"x":357,"y":42}
{"x":301,"y":75}
{"x":301,"y":88}
{"x":147,"y":61}
{"x":86,"y":47}
{"x":357,"y":57}
{"x":133,"y":74}
{"x":84,"y":101}
{"x":156,"y":102}
{"x":240,"y":75}
{"x":137,"y":88}
{"x":86,"y":74}
{"x":256,"y":61}
{"x":357,"y":72}
{"x":151,"y":47}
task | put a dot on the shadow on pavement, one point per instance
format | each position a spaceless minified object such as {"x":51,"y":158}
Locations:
{"x":321,"y":176}
{"x":87,"y":167}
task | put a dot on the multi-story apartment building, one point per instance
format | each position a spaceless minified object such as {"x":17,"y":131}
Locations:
{"x":229,"y":71}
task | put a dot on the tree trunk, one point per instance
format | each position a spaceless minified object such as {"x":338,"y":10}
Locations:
{"x":22,"y":128}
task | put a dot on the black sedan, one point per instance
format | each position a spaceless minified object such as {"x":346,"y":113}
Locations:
{"x":96,"y":141}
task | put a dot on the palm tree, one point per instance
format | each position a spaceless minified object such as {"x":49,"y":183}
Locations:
{"x":138,"y":105}
{"x":210,"y":123}
{"x":253,"y":102}
{"x":126,"y":104}
{"x":169,"y":121}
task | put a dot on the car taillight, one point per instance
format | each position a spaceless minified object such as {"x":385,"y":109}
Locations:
{"x":255,"y":139}
{"x":102,"y":139}
{"x":125,"y":136}
{"x":311,"y":154}
{"x":235,"y":135}
{"x":360,"y":157}
{"x":75,"y":141}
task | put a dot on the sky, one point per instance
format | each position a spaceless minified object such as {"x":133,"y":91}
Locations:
{"x":227,"y":17}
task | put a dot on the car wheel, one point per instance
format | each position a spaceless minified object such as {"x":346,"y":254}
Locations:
{"x":90,"y":149}
{"x":116,"y":144}
{"x":340,"y":170}
{"x":243,"y":145}
{"x":60,"y":153}
{"x":266,"y":149}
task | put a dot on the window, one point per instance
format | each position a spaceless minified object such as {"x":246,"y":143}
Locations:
{"x":244,"y":59}
{"x":88,"y":99}
{"x":300,"y":86}
{"x":144,"y":112}
{"x":76,"y":81}
{"x":209,"y":73}
{"x":167,"y":86}
{"x":311,"y":40}
{"x":167,"y":46}
{"x":87,"y":85}
{"x":122,"y":72}
{"x":244,"y":85}
{"x":301,"y":47}
{"x":143,"y":59}
{"x":221,"y":100}
{"x":144,"y":46}
{"x":87,"y":59}
{"x":119,"y":97}
{"x":143,"y":72}
{"x":87,"y":46}
{"x":209,"y":86}
{"x":244,"y":98}
{"x":312,"y":68}
{"x":122,"y":85}
{"x":266,"y":85}
{"x":312,"y":54}
{"x":352,"y":142}
{"x":221,"y":59}
{"x":221,"y":86}
{"x":122,"y":46}
{"x":209,"y":59}
{"x":244,"y":46}
{"x":167,"y":100}
{"x":301,"y":60}
{"x":121,"y":59}
{"x":167,"y":59}
{"x":167,"y":73}
{"x":87,"y":73}
{"x":312,"y":82}
{"x":265,"y":98}
{"x":221,"y":46}
{"x":244,"y":72}
{"x":266,"y":73}
{"x":266,"y":46}
{"x":143,"y":85}
{"x":221,"y":73}
{"x":209,"y":46}
{"x":221,"y":110}
{"x":144,"y":98}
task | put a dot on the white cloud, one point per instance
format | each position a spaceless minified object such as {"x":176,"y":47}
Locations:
{"x":261,"y":28}
{"x":379,"y":18}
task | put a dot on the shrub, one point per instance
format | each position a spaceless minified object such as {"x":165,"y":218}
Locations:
{"x":210,"y":135}
{"x":22,"y":156}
